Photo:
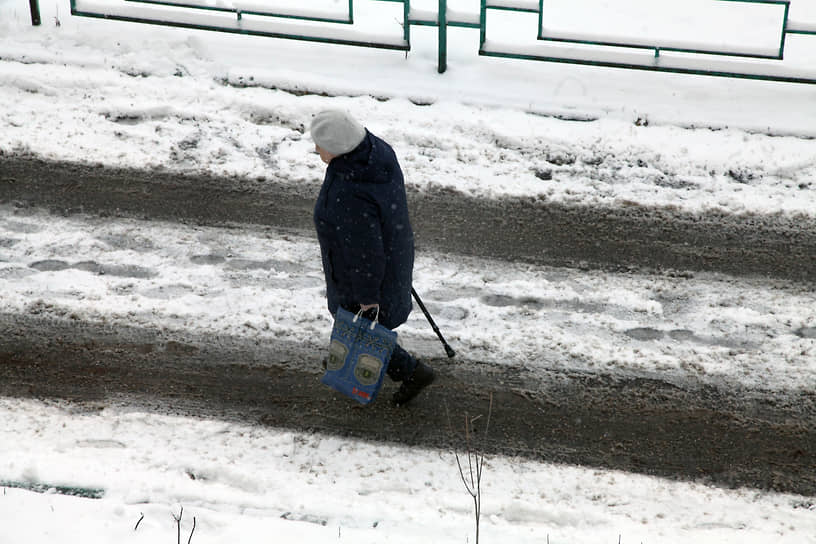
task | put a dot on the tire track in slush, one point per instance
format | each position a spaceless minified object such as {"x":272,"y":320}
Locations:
{"x":704,"y":433}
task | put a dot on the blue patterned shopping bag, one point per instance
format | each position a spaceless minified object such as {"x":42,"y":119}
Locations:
{"x":358,"y":356}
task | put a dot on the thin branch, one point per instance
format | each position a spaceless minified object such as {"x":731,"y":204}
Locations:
{"x":138,"y":522}
{"x":456,"y":453}
{"x":178,"y":524}
{"x":193,"y":531}
{"x":469,"y":452}
{"x":489,"y":414}
{"x":476,"y":461}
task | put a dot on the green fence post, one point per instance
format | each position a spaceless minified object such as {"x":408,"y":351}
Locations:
{"x":406,"y":25}
{"x":784,"y":32}
{"x":483,"y":23}
{"x":443,"y":36}
{"x":35,"y":12}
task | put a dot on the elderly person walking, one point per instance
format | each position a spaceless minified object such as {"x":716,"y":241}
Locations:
{"x":366,"y":240}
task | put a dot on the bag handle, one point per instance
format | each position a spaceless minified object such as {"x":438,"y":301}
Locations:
{"x":373,"y":322}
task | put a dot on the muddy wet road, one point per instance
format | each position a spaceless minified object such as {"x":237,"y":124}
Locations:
{"x":726,"y":437}
{"x":540,"y":232}
{"x":681,"y":430}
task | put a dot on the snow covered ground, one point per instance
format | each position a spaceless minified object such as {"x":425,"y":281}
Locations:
{"x":133,"y":95}
{"x":250,"y":484}
{"x":152,"y":96}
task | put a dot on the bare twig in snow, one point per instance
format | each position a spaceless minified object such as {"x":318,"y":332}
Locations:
{"x":192,"y":531}
{"x":472,"y":477}
{"x":178,"y":524}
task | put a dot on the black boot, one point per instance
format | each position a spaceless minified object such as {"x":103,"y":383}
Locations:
{"x":422,"y":377}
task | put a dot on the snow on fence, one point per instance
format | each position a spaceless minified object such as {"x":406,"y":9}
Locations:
{"x":290,"y":22}
{"x":752,"y":39}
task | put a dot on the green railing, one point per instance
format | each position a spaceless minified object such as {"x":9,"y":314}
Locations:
{"x":594,"y":51}
{"x":239,"y":24}
{"x":348,"y":19}
{"x":602,"y":46}
{"x":679,"y":49}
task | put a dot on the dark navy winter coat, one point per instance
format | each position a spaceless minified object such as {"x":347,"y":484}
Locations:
{"x":366,"y":240}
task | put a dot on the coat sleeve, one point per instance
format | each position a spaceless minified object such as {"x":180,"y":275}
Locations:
{"x":363,"y":248}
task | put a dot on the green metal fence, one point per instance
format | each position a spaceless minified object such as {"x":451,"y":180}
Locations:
{"x":595,"y":52}
{"x":679,"y":49}
{"x":348,"y":19}
{"x":237,"y":25}
{"x":785,"y":26}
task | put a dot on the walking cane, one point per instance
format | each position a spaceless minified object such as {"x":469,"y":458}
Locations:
{"x":448,"y":349}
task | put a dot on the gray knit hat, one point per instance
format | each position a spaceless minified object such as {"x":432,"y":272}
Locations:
{"x":336,"y":131}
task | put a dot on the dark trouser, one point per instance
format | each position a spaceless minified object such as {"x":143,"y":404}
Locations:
{"x":402,"y":364}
